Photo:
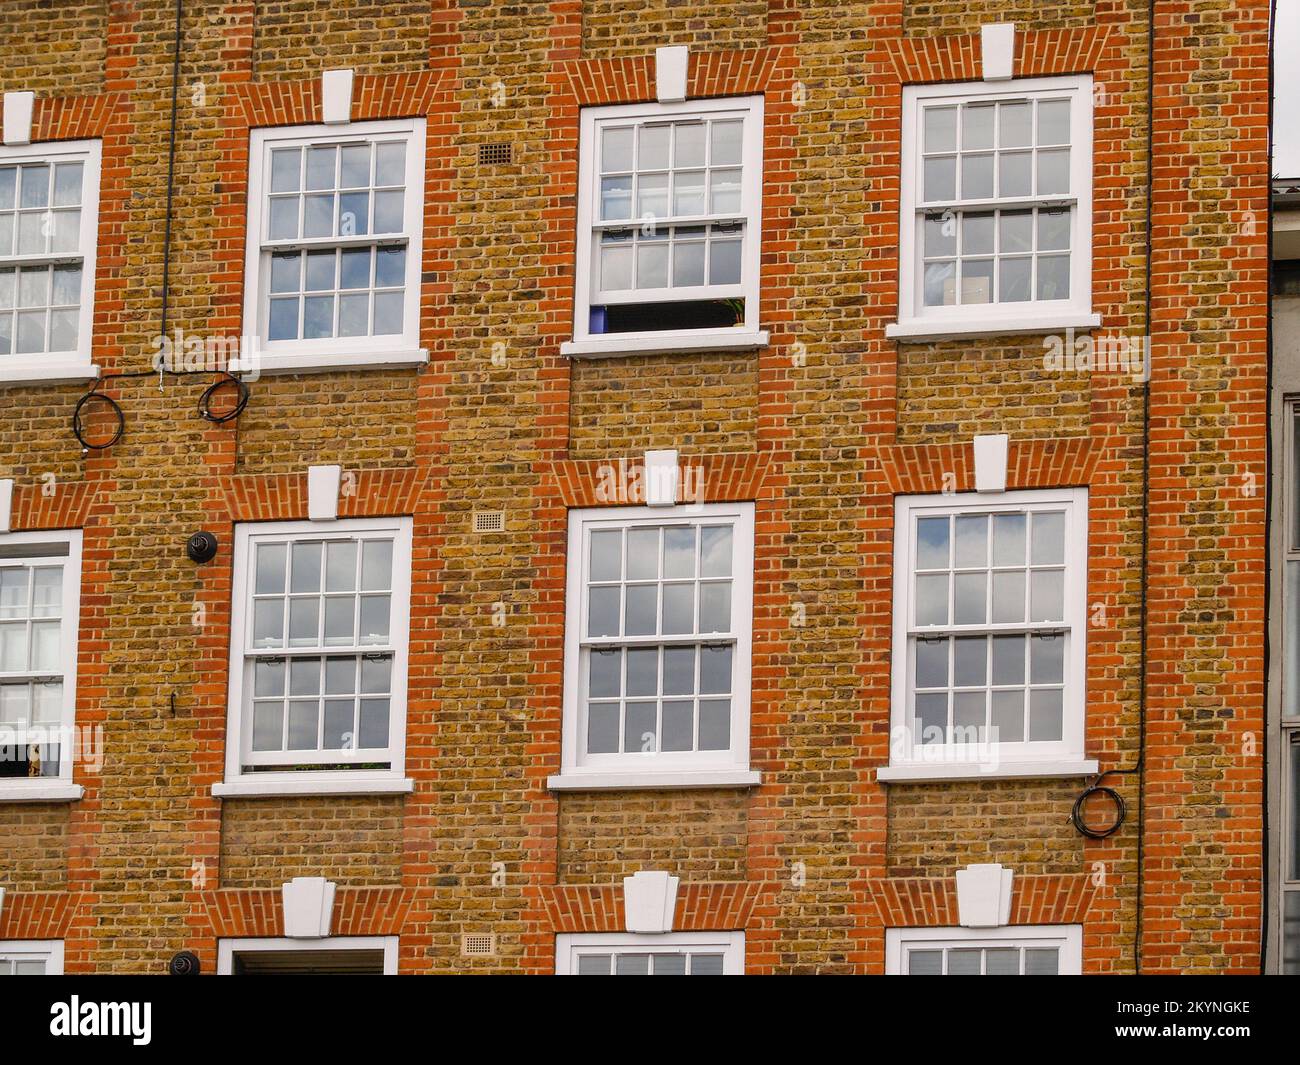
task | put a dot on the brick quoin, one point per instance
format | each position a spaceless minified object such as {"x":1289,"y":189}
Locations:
{"x":821,"y":429}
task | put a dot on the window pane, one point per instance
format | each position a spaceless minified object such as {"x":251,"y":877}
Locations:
{"x":715,"y":608}
{"x":318,"y":219}
{"x":604,"y":679}
{"x":976,"y":177}
{"x":940,"y":235}
{"x":1014,"y":124}
{"x":932,"y":663}
{"x":602,"y":728}
{"x":969,"y":661}
{"x":940,"y":178}
{"x":653,"y":148}
{"x":355,"y":168}
{"x":679,"y":608}
{"x":1009,"y":659}
{"x":1009,"y":597}
{"x":715,"y":670}
{"x":715,"y":724}
{"x":724,"y":262}
{"x":971,"y":541}
{"x":1293,"y":787}
{"x":643,"y":671}
{"x":726,"y":142}
{"x":1042,"y":961}
{"x":724,"y":192}
{"x":321,"y":164}
{"x":932,"y":599}
{"x":373,"y":728}
{"x":925,"y":962}
{"x":977,"y":281}
{"x":286,"y":166}
{"x":679,"y":726}
{"x":689,"y":144}
{"x":931,"y":718}
{"x":688,"y":193}
{"x":1053,"y":230}
{"x":715,"y":551}
{"x":639,"y":619}
{"x":389,"y":209}
{"x":303,"y":721}
{"x":977,"y":234}
{"x":932,"y":543}
{"x":593,"y":964}
{"x":1054,"y":122}
{"x":1015,"y":174}
{"x":1054,"y":172}
{"x":970,"y":599}
{"x":615,"y":197}
{"x":388,"y":313}
{"x":940,"y":284}
{"x":1045,"y":715}
{"x":1008,"y":717}
{"x":640,"y":728}
{"x":1048,"y":543}
{"x":1002,"y":961}
{"x":679,"y":551}
{"x":976,"y":126}
{"x":679,"y":671}
{"x":964,"y":962}
{"x":616,"y":149}
{"x":940,"y":129}
{"x":390,"y":163}
{"x":1047,"y":595}
{"x":1047,"y":660}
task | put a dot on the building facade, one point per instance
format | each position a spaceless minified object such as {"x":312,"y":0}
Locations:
{"x":753,"y":486}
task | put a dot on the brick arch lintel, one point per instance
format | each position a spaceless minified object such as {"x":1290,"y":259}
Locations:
{"x":956,"y":57}
{"x":259,"y":912}
{"x":701,"y":906}
{"x":913,"y":469}
{"x":931,"y":902}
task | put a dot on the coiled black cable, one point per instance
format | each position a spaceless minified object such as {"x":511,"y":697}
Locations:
{"x":1092,"y":831}
{"x":213,"y":390}
{"x":79,"y":428}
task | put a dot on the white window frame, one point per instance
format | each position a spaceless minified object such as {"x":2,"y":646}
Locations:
{"x":58,"y":788}
{"x":1068,"y":938}
{"x":1065,"y":758}
{"x":747,"y":335}
{"x":672,"y":770}
{"x":918,"y":322}
{"x":569,"y":946}
{"x":49,"y":951}
{"x":335,"y":352}
{"x":53,"y":367}
{"x":1288,"y":563}
{"x":238,"y":736}
{"x":228,"y":948}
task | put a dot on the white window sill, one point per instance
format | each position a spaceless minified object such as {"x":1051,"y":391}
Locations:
{"x":924,"y":329}
{"x":667,"y":343}
{"x":40,"y":791}
{"x":924,"y":771}
{"x":627,"y":780}
{"x":312,"y":785}
{"x":266,"y":363}
{"x":55,"y":374}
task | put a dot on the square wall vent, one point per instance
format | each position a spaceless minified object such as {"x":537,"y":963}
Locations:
{"x":495,"y":154}
{"x":489,"y":521}
{"x":478,"y":943}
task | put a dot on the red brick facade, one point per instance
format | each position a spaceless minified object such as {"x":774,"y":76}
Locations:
{"x":821,"y":429}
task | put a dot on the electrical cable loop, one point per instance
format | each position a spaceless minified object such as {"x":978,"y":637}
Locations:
{"x":1095,"y":831}
{"x":103,"y":402}
{"x":214,"y":390}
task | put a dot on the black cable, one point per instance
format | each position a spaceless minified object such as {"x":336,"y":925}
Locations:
{"x":213,"y":390}
{"x":1095,"y":788}
{"x":1268,"y":516}
{"x":79,"y":430}
{"x":171,"y":165}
